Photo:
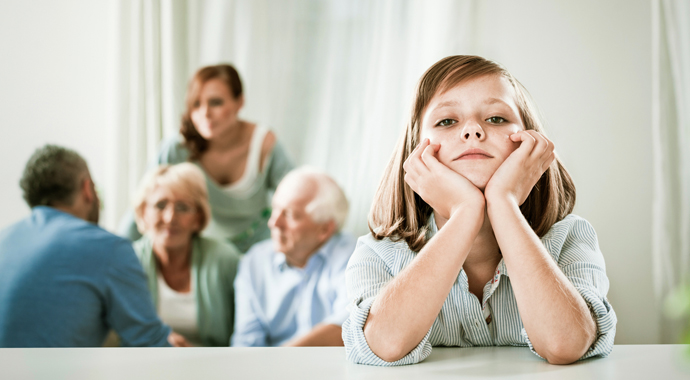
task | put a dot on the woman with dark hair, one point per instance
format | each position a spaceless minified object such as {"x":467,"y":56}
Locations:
{"x":242,"y":161}
{"x":472,"y":238}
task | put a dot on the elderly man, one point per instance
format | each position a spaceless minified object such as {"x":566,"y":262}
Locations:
{"x":290,"y":289}
{"x":65,"y":282}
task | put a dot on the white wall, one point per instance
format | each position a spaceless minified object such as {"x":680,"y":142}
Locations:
{"x":587,"y":63}
{"x":52,"y":87}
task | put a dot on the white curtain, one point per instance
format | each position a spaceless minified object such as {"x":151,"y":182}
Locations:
{"x":671,"y":149}
{"x":333,"y":78}
{"x":147,"y":71}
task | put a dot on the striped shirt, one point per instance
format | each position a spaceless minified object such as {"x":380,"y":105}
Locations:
{"x":464,"y":321}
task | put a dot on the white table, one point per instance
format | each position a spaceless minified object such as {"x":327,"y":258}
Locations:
{"x":625,"y":362}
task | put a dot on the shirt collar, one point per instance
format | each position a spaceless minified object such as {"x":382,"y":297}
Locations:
{"x":501,"y":269}
{"x":280,"y":261}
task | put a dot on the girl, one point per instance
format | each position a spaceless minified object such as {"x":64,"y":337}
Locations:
{"x":472,"y":241}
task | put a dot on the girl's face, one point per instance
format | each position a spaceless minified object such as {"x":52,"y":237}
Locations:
{"x":473,"y":122}
{"x":215,"y":112}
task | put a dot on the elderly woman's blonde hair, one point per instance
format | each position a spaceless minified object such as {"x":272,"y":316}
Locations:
{"x":184,"y":180}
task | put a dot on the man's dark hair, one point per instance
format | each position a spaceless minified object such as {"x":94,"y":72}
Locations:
{"x":52,"y":176}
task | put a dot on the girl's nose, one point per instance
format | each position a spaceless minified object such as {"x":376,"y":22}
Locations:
{"x":473,"y":130}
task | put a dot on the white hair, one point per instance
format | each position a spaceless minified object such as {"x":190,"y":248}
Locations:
{"x":329,"y":202}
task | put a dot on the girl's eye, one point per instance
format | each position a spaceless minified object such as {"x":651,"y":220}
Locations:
{"x":496,"y":120}
{"x":446,"y":122}
{"x":196,"y":105}
{"x":215,"y":102}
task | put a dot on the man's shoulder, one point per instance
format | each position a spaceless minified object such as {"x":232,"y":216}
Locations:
{"x":92,"y":234}
{"x":260,"y":252}
{"x":87,"y":238}
{"x":65,"y":229}
{"x":343,"y":244}
{"x":14,"y":229}
{"x":257,"y":265}
{"x":344,"y":240}
{"x":50,"y":237}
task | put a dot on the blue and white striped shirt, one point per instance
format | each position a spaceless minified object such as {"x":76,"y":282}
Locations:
{"x":464,"y":321}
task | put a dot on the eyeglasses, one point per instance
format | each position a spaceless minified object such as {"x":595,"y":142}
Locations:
{"x":179,"y":207}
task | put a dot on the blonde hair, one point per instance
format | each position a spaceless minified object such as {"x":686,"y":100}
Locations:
{"x":398,"y":213}
{"x":184,"y":179}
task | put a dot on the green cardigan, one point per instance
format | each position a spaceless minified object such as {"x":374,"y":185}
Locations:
{"x":214,"y":265}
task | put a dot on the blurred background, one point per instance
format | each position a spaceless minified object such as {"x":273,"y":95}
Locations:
{"x":334,"y":79}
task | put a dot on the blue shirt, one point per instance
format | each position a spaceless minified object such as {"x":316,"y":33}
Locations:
{"x":276,"y":302}
{"x":64,"y":282}
{"x":466,"y":321}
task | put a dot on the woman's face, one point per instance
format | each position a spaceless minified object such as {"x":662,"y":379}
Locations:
{"x":170,"y":220}
{"x":473,"y":122}
{"x":215,"y":112}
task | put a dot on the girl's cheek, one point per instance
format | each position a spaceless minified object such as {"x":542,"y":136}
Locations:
{"x":508,"y":143}
{"x":425,"y":134}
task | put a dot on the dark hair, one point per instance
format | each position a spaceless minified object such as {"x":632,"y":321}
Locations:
{"x":399,"y":213}
{"x":195,"y":143}
{"x":52,"y":176}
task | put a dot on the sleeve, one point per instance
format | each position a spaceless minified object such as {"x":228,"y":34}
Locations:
{"x":279,"y":165}
{"x":249,"y":331}
{"x":583,"y":264}
{"x":170,"y":152}
{"x":129,"y":308}
{"x":339,"y":312}
{"x":366,"y":275}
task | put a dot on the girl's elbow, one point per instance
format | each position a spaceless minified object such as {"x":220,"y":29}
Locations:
{"x":558,"y":358}
{"x":567,"y":352}
{"x":391,"y":352}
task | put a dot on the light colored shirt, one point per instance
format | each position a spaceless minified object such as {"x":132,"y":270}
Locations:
{"x":276,"y":302}
{"x":179,"y":310}
{"x":466,"y":321}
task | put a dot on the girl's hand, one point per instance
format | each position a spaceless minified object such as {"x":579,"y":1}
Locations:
{"x":442,"y":188}
{"x":518,"y":174}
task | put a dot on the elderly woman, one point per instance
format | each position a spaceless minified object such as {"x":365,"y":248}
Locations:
{"x":190,"y":277}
